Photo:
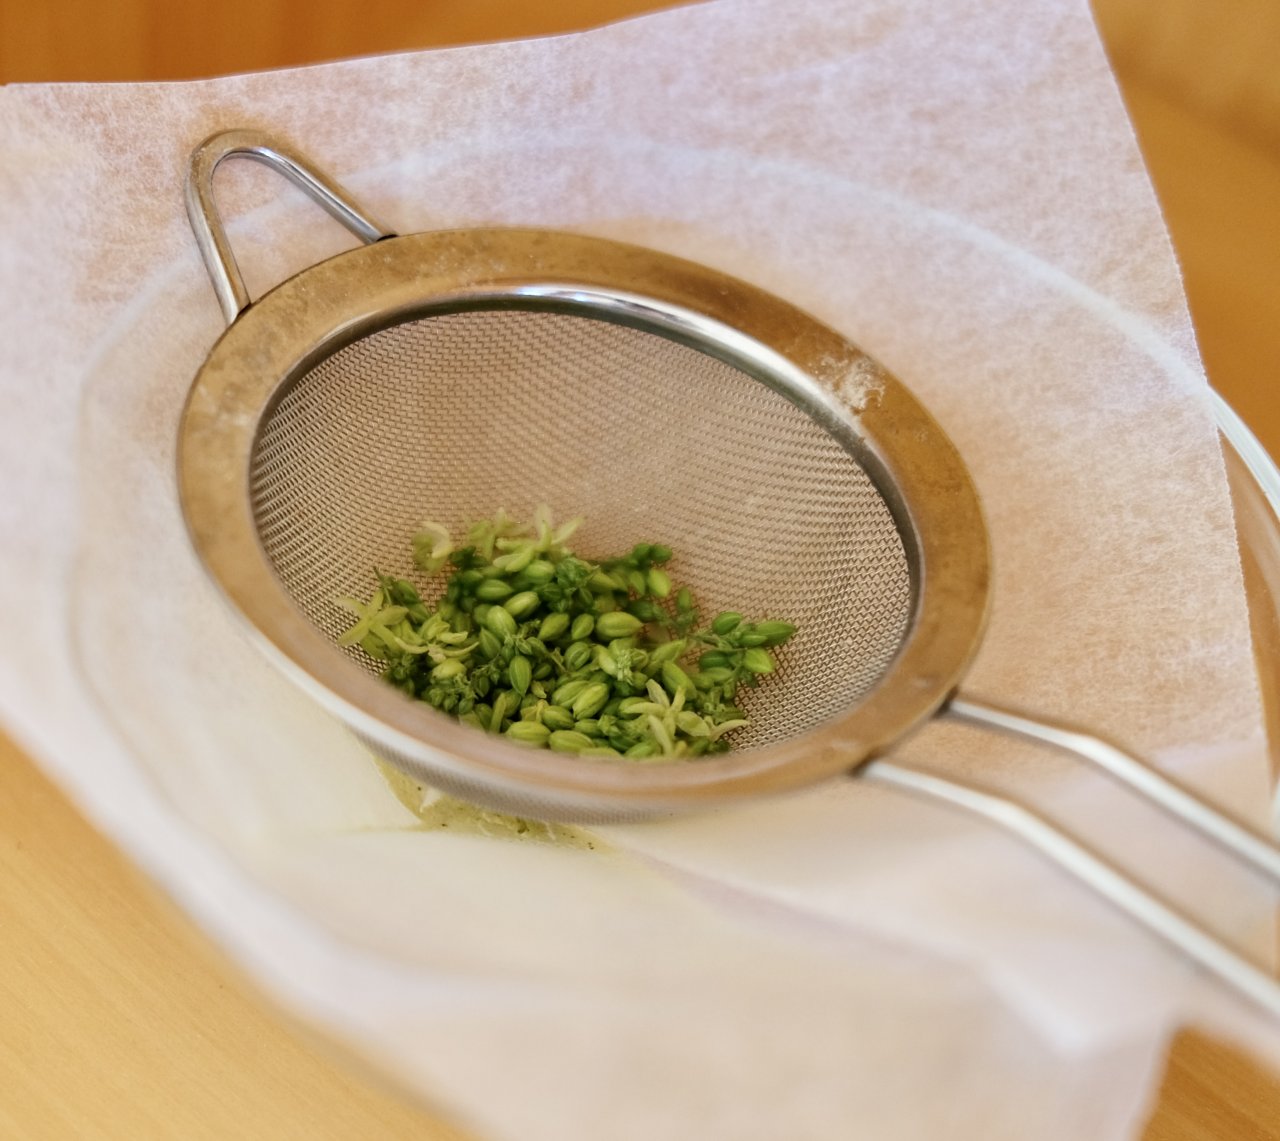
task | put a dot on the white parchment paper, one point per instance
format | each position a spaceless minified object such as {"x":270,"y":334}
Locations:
{"x":955,"y":187}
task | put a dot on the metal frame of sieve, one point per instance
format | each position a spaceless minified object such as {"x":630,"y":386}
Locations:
{"x":394,"y":281}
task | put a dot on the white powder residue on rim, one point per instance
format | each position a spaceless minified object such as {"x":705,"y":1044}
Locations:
{"x":856,"y":383}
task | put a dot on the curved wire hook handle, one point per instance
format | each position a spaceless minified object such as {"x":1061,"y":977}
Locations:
{"x":1137,"y":902}
{"x":211,"y":236}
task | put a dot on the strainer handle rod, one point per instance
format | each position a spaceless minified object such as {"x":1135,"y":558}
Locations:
{"x":1093,"y":871}
{"x":206,"y":222}
{"x":1147,"y":782}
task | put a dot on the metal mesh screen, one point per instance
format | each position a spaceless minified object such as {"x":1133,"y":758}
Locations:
{"x":448,"y":418}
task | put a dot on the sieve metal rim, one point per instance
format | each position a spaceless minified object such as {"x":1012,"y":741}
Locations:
{"x":323,"y":308}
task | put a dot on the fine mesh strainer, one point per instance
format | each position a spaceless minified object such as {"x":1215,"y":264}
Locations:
{"x":444,"y":375}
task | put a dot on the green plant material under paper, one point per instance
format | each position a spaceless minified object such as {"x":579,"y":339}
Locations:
{"x":600,"y":658}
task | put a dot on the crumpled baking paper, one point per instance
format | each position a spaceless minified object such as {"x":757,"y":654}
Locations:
{"x":954,"y":186}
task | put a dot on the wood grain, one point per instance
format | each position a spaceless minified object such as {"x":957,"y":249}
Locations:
{"x":1221,"y":198}
{"x":121,"y":1021}
{"x":151,"y":39}
{"x":1212,"y":1092}
{"x":1216,"y":59}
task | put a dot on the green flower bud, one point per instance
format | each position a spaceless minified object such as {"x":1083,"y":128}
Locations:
{"x":606,"y":661}
{"x":667,"y":652}
{"x":500,"y":621}
{"x":660,"y":553}
{"x":645,"y":609}
{"x":553,"y":626}
{"x":751,"y":638}
{"x":582,"y":627}
{"x":568,"y":741}
{"x":565,"y":694}
{"x":714,"y":661}
{"x":529,"y":732}
{"x":590,"y":700}
{"x":588,"y":725}
{"x":520,"y":674}
{"x":515,"y":561}
{"x":758,"y":661}
{"x":618,"y":624}
{"x":642,"y":750}
{"x":447,"y":669}
{"x":658,"y":582}
{"x":401,"y":591}
{"x":775,"y":633}
{"x":637,"y":582}
{"x":522,"y":604}
{"x":557,"y":717}
{"x":488,"y":644}
{"x":493,"y":590}
{"x":674,"y":679}
{"x":503,"y":706}
{"x":578,"y":656}
{"x":691,"y":724}
{"x":725,"y":622}
{"x":539,"y":572}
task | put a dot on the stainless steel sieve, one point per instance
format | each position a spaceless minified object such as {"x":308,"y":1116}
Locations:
{"x":442,"y":375}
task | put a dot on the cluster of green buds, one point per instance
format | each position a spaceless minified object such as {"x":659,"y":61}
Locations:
{"x":555,"y":651}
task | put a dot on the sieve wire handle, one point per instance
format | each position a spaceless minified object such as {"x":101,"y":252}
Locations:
{"x":211,"y":235}
{"x":1092,"y":870}
{"x":1242,"y":842}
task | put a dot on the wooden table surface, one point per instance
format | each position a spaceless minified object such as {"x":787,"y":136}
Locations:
{"x":120,"y":1020}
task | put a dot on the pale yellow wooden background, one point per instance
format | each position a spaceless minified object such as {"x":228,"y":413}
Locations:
{"x":118,"y":1020}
